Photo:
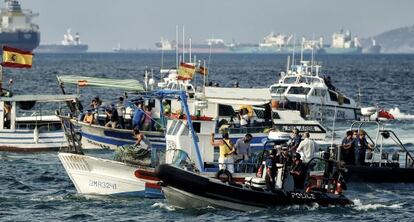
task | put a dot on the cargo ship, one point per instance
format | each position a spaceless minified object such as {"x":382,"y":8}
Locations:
{"x":69,"y":44}
{"x":343,"y":43}
{"x":16,"y":27}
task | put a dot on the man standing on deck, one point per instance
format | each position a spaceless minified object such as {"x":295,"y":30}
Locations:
{"x":307,"y":147}
{"x":271,"y":171}
{"x":361,"y":146}
{"x":227,"y":150}
{"x":242,"y":147}
{"x":295,"y":141}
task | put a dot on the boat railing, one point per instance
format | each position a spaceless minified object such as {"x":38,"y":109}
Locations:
{"x":387,"y":134}
{"x":72,"y":135}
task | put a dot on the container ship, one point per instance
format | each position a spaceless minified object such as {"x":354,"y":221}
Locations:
{"x":69,"y":44}
{"x":16,"y":27}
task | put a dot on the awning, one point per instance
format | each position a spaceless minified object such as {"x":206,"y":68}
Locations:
{"x":39,"y":98}
{"x":86,"y":81}
{"x":237,"y":93}
{"x":238,"y":102}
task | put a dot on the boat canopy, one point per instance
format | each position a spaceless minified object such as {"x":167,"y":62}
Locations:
{"x":39,"y":98}
{"x":237,"y":96}
{"x":86,"y":81}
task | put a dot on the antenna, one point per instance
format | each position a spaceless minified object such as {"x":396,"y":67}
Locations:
{"x":301,"y":50}
{"x":294,"y":47}
{"x":183,"y":45}
{"x":176,"y":46}
{"x":190,"y":50}
{"x":287,"y":65}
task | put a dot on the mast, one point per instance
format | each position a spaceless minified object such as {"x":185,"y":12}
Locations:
{"x":190,"y":50}
{"x":176,"y":46}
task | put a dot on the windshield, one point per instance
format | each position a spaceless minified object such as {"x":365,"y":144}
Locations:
{"x":278,"y":89}
{"x":299,"y":90}
{"x":289,"y":80}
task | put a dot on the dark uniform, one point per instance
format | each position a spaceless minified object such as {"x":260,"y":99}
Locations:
{"x":272,"y":169}
{"x":361,"y":146}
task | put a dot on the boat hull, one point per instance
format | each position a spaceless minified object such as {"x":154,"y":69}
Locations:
{"x":23,"y":40}
{"x":181,"y":186}
{"x":26,"y":141}
{"x":96,"y":176}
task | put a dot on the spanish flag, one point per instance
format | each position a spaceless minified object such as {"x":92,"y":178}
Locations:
{"x":186,"y":71}
{"x":16,"y":58}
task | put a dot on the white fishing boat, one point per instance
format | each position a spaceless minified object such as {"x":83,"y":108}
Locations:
{"x":97,"y":136}
{"x":25,"y":127}
{"x":303,"y":88}
{"x":98,"y":176}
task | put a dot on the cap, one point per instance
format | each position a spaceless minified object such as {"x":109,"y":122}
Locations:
{"x":297,"y":155}
{"x":284,"y":148}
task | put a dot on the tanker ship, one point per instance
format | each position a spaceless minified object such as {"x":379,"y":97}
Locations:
{"x":16,"y":27}
{"x":69,"y":44}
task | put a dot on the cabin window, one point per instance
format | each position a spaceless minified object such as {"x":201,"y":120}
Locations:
{"x":225,"y":110}
{"x":309,"y":80}
{"x":197,"y":127}
{"x":319,"y":92}
{"x":289,"y":80}
{"x":347,"y":101}
{"x":299,"y":90}
{"x":278,"y":89}
{"x":333,"y":96}
{"x":275,"y":115}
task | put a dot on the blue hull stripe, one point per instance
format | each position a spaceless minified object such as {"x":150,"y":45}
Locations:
{"x":114,"y":142}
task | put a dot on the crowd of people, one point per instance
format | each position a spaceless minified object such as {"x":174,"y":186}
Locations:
{"x":293,"y":156}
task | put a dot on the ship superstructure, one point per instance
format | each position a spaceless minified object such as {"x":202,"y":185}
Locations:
{"x":344,"y":43}
{"x":69,"y":44}
{"x":17,"y":29}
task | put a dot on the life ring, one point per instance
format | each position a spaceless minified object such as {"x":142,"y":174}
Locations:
{"x":224,"y":175}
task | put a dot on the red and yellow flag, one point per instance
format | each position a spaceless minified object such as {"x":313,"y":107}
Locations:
{"x":186,"y":71}
{"x":16,"y":58}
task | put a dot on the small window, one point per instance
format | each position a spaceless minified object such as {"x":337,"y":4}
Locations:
{"x":197,"y":127}
{"x":347,"y":101}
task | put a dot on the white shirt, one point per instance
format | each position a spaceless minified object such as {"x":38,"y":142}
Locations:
{"x":244,"y":119}
{"x":307,"y":147}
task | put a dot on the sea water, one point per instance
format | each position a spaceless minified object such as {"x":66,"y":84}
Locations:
{"x":35,"y":187}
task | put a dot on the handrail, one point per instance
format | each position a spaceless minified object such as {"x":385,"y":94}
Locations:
{"x":401,"y":145}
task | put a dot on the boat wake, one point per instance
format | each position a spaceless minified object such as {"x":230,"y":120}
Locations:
{"x":164,"y":206}
{"x":358,"y":205}
{"x":396,"y":112}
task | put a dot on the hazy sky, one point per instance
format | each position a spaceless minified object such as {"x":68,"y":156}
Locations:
{"x":139,"y":24}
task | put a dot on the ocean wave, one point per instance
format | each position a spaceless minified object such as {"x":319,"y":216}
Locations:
{"x":396,"y":112}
